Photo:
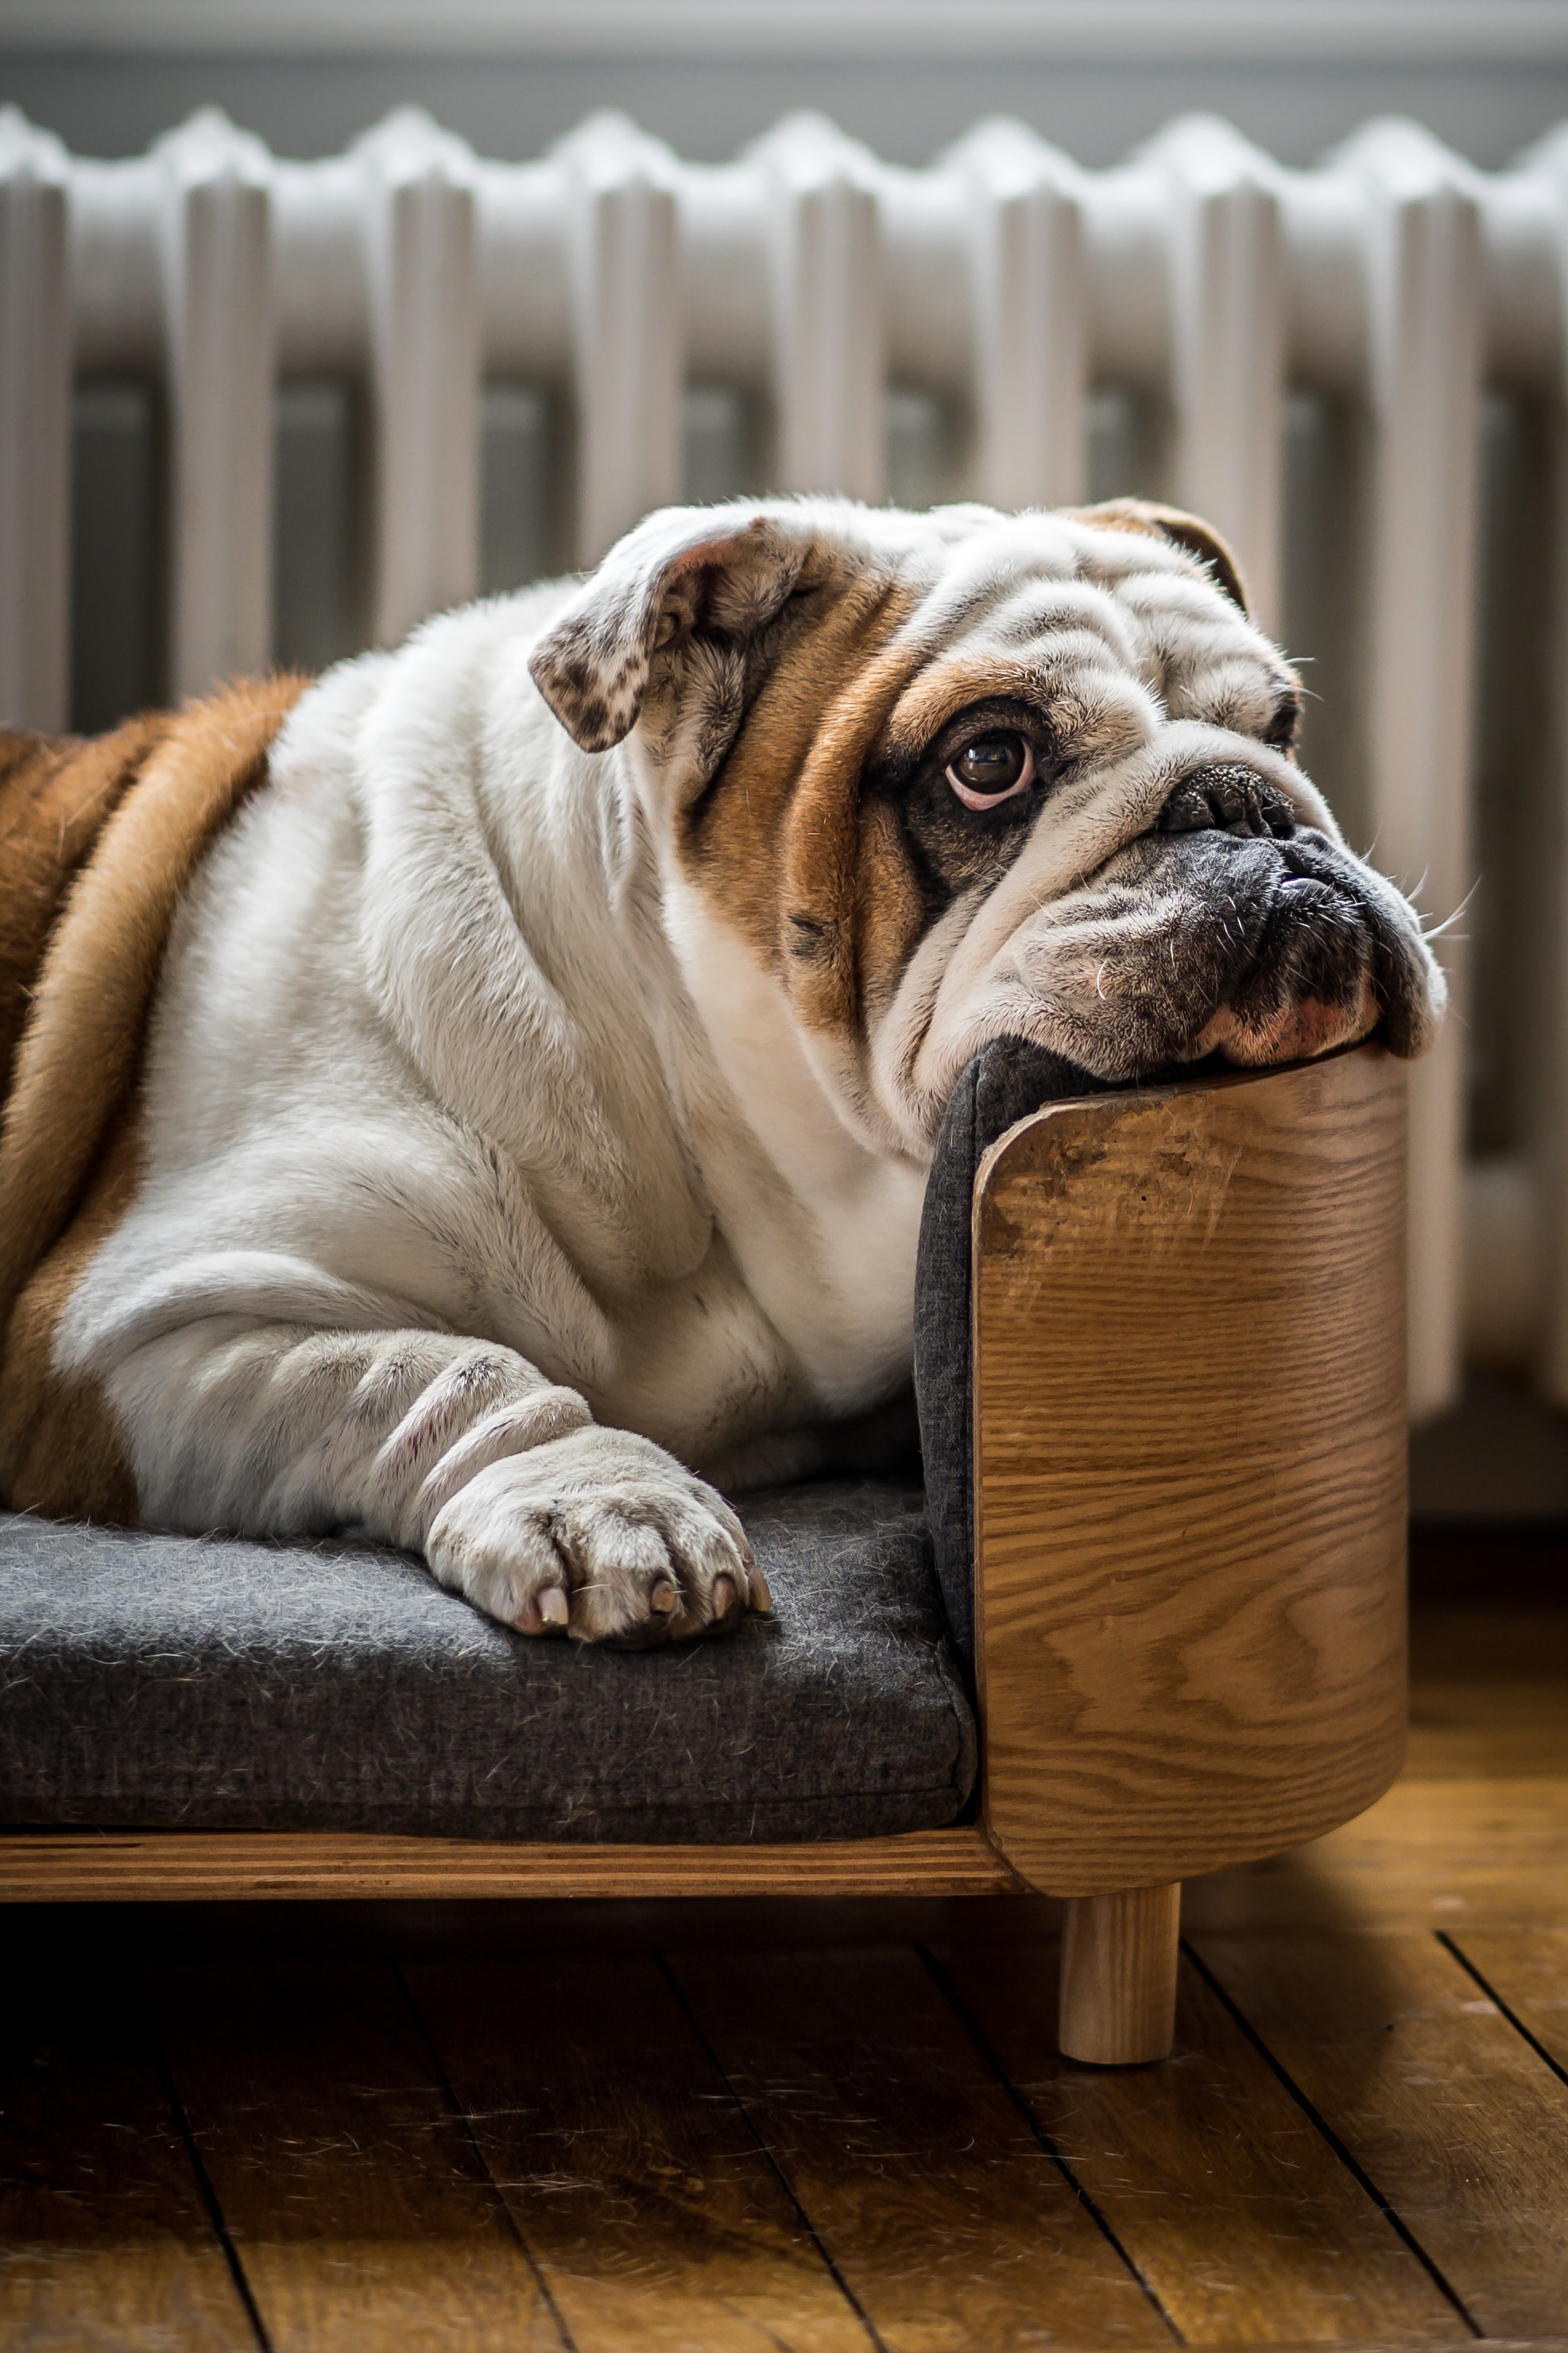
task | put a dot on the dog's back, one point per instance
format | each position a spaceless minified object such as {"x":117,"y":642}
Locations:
{"x":98,"y":840}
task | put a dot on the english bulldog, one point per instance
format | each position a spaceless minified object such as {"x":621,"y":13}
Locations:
{"x":482,"y":1100}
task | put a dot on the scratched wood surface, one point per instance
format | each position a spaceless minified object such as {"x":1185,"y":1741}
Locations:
{"x":656,"y":2216}
{"x":828,"y":2126}
{"x":948,"y":2220}
{"x":1190,"y":1471}
{"x":1526,"y":1973}
{"x":1443,"y":2106}
{"x":347,"y":2178}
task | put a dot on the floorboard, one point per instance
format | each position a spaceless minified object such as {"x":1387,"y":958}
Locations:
{"x":106,"y":2239}
{"x":952,"y":2225}
{"x":359,"y":2208}
{"x":1432,"y":1854}
{"x":657,"y":2219}
{"x":1474,"y":1834}
{"x":1527,"y":1973}
{"x":1242,"y":2218}
{"x":1437,"y":2098}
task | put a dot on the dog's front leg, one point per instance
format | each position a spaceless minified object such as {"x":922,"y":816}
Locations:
{"x":457,"y":1448}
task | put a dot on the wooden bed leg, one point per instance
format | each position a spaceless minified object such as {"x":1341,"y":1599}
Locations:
{"x":1118,"y":1976}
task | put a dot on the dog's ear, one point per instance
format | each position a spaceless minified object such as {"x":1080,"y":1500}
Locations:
{"x":685,"y":576}
{"x":1199,"y":538}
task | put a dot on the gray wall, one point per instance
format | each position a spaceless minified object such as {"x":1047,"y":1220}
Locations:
{"x":512,"y":106}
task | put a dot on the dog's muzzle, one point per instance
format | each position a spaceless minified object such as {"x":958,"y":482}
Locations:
{"x":1296,"y":945}
{"x":1228,"y":927}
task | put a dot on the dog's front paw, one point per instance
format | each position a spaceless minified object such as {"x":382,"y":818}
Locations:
{"x":601,"y":1536}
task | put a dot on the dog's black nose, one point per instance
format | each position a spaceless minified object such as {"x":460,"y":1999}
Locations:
{"x":1227,"y":799}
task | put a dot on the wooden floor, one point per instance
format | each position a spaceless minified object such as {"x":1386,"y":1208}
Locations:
{"x":819,"y":2125}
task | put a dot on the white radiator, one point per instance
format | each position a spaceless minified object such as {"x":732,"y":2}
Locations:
{"x":1396,"y":281}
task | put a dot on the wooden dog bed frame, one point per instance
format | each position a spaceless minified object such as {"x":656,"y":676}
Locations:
{"x":1190,"y":1511}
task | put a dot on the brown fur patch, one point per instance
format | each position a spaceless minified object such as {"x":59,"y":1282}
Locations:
{"x":60,"y":1450}
{"x":129,"y":819}
{"x":890,"y":912}
{"x":779,"y":844}
{"x":55,"y":796}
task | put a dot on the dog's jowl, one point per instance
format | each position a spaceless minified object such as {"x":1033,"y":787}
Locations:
{"x":482,"y":1100}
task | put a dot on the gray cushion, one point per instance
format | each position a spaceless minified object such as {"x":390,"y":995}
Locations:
{"x":175,"y":1681}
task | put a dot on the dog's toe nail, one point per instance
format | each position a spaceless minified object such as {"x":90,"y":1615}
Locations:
{"x":664,"y":1598}
{"x":762,"y":1599}
{"x":553,"y":1607}
{"x":723,"y":1595}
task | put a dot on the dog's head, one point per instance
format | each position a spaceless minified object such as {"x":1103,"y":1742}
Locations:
{"x":943,"y":778}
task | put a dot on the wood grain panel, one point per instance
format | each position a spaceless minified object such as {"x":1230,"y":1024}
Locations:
{"x":105,"y":2238}
{"x":91,"y":1866}
{"x":947,"y":2220}
{"x":655,"y":2219}
{"x":1457,"y":2122}
{"x":351,"y":2189}
{"x":1234,"y":2207}
{"x":1190,"y":1456}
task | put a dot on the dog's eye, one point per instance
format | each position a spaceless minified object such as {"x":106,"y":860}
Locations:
{"x":992,"y":769}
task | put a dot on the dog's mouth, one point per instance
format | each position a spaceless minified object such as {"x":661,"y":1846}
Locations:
{"x":1278,"y":944}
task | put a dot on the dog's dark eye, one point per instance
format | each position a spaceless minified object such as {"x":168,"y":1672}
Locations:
{"x":991,"y":769}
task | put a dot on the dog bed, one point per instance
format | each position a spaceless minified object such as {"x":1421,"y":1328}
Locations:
{"x":173,"y":1682}
{"x":177,"y":1682}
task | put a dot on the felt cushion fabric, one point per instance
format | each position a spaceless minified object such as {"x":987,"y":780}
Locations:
{"x":155,"y":1680}
{"x":1003,"y":1085}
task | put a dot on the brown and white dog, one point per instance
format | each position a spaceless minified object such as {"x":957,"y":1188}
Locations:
{"x":481,"y":1098}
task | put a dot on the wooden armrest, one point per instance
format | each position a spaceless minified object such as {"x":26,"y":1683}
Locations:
{"x":1190,"y":1475}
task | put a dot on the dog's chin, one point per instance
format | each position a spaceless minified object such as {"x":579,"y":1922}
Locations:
{"x":1296,"y":1033}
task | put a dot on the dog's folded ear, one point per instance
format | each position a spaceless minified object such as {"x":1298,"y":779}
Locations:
{"x":1188,"y":531}
{"x":685,"y":576}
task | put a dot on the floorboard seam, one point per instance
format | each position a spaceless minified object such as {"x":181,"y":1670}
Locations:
{"x":1487,"y":1986}
{"x":1101,"y":2221}
{"x":1319,"y":2123}
{"x":568,"y":2341}
{"x":242,"y":2287}
{"x":848,"y":2293}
